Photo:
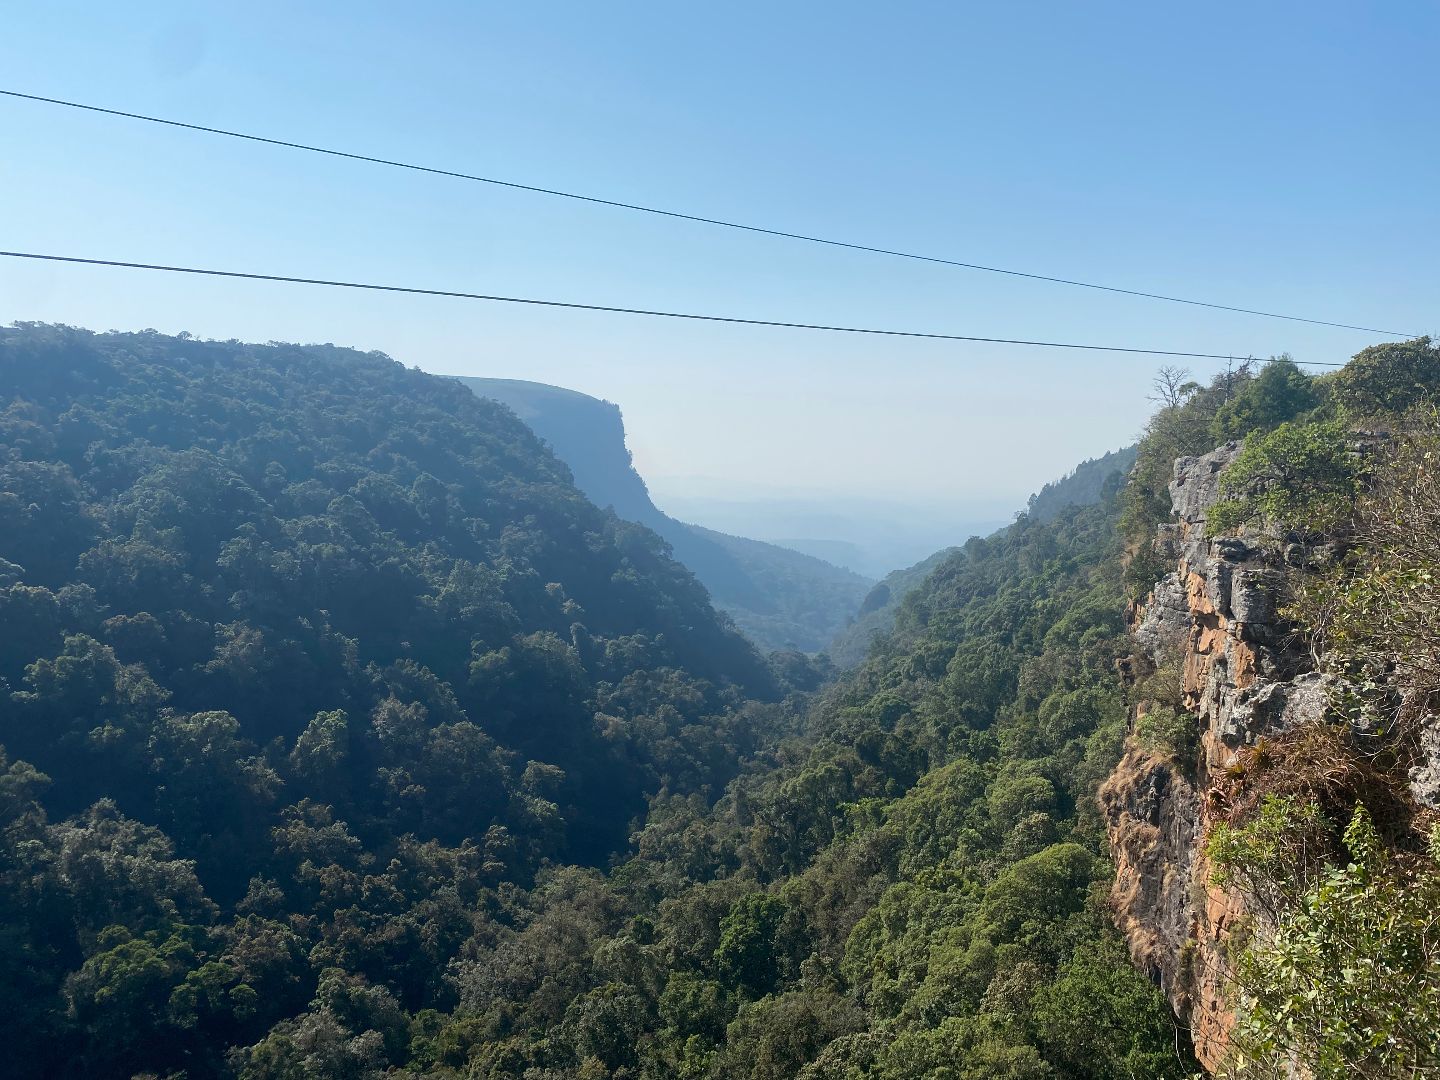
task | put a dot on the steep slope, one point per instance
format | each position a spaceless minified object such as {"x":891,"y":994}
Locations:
{"x":302,"y":652}
{"x":1216,"y":616}
{"x":781,"y":598}
{"x":584,"y":432}
{"x":1086,"y":485}
{"x":876,"y":614}
{"x":1255,"y":701}
{"x":1272,"y":820}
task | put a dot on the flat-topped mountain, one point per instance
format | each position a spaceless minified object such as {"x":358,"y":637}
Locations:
{"x":780,"y":597}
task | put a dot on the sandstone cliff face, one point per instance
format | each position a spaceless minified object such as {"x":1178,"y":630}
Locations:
{"x":1243,"y":678}
{"x":1213,"y":623}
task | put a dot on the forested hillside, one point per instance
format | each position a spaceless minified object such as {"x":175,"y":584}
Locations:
{"x":305,"y":655}
{"x":330,"y":695}
{"x":876,"y":614}
{"x":344,"y":738}
{"x":781,"y":598}
{"x":1084,"y":485}
{"x":1089,"y":483}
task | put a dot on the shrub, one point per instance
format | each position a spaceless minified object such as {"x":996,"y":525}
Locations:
{"x":1377,"y":618}
{"x":1299,"y":476}
{"x":1389,"y":379}
{"x":1274,"y":857}
{"x":1169,"y":733}
{"x":1348,"y":982}
{"x":1280,"y":393}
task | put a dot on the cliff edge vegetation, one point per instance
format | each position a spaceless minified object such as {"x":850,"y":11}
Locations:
{"x":1273,"y":820}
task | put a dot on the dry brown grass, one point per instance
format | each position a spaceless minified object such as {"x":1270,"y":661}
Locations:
{"x":1320,"y":765}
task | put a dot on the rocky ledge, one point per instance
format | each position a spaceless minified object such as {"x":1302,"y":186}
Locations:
{"x":1243,"y":677}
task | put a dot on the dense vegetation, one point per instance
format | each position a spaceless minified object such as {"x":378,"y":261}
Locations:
{"x":343,"y":737}
{"x":876,"y":615}
{"x":328,"y":700}
{"x":914,"y":890}
{"x":1086,"y":484}
{"x":781,"y":599}
{"x":303,"y":651}
{"x":1344,"y":978}
{"x":1328,"y":830}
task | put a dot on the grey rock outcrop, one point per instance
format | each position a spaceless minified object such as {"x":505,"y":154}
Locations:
{"x":1196,"y":486}
{"x":1425,"y":777}
{"x":1243,"y":678}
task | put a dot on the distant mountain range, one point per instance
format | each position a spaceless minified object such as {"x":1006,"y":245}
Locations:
{"x":1082,"y":486}
{"x":868,"y":534}
{"x":781,"y":598}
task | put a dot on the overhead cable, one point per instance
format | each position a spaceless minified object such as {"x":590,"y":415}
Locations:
{"x":676,"y":214}
{"x":535,"y":302}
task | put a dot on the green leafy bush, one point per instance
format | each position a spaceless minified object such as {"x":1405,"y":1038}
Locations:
{"x":1300,"y":476}
{"x":1347,"y":981}
{"x":1280,"y":393}
{"x":1386,"y":381}
{"x":1168,"y":732}
{"x":1275,"y":856}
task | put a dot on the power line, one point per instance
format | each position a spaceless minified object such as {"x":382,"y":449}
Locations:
{"x":688,"y":217}
{"x":455,"y":294}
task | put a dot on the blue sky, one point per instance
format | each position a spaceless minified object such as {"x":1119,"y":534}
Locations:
{"x":1276,"y":155}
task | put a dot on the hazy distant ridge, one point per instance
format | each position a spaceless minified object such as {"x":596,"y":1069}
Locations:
{"x":781,"y":598}
{"x":1082,"y":486}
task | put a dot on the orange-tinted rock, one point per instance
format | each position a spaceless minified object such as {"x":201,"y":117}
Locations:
{"x":1217,"y":612}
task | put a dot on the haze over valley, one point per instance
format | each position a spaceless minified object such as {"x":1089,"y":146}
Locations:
{"x":868,"y":535}
{"x":719,"y":542}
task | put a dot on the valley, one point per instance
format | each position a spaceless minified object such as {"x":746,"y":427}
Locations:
{"x":781,"y":598}
{"x":344,"y":735}
{"x":719,"y":542}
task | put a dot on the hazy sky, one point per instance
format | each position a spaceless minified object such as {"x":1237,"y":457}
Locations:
{"x":1276,"y":155}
